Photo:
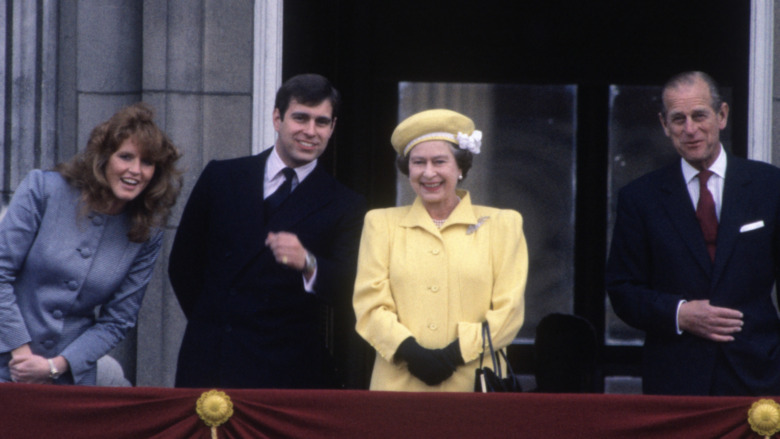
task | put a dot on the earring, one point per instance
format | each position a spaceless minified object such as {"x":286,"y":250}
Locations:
{"x":460,"y":177}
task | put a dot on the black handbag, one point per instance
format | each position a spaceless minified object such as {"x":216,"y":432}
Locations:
{"x":492,"y":380}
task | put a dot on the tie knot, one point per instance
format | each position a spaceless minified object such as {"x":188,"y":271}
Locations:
{"x":288,"y":174}
{"x":704,"y":176}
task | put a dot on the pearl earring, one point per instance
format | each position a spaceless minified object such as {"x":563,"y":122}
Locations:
{"x":460,"y":177}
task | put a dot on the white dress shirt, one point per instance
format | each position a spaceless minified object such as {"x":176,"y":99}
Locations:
{"x":274,"y":176}
{"x":714,"y":184}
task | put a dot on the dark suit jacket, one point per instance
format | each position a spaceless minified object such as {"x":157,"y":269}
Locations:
{"x":250,"y":322}
{"x":658,"y":258}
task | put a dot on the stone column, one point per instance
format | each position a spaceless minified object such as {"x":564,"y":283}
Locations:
{"x":28,"y":51}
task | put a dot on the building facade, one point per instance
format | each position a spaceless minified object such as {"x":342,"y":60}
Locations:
{"x":210,"y":68}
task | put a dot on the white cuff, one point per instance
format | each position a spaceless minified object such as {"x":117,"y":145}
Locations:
{"x":308,"y":285}
{"x":677,"y":318}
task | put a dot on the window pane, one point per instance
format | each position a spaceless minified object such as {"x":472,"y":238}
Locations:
{"x":527,"y":163}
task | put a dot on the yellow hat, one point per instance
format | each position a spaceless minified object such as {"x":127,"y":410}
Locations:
{"x":439,"y":124}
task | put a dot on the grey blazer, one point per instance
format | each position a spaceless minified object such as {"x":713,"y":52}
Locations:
{"x":70,"y":284}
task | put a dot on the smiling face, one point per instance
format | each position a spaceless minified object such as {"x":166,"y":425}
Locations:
{"x":303,"y":132}
{"x":692,"y":124}
{"x":433,"y":174}
{"x":128,"y":174}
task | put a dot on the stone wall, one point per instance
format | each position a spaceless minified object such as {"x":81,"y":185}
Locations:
{"x":71,"y":64}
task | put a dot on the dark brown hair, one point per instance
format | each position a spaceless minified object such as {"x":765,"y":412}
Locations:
{"x":87,"y":170}
{"x":308,"y":89}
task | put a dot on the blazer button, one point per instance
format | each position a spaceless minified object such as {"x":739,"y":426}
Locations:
{"x":433,"y":326}
{"x":436,"y":251}
{"x":85,"y":252}
{"x":435,"y":289}
{"x":73,"y":285}
{"x":57,"y":314}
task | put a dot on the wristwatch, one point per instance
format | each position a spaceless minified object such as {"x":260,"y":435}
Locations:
{"x":53,"y":372}
{"x":311,"y":263}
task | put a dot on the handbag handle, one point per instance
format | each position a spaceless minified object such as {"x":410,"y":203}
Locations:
{"x":487,"y":338}
{"x":493,"y":355}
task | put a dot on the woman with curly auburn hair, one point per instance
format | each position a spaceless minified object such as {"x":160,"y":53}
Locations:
{"x":87,"y":171}
{"x":77,"y":250}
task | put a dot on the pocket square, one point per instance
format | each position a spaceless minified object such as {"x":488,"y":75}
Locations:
{"x":751,"y":226}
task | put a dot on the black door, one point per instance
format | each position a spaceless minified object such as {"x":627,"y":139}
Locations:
{"x":597,"y":50}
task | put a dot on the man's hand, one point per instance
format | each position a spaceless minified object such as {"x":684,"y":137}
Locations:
{"x":711,"y":322}
{"x":287,"y":249}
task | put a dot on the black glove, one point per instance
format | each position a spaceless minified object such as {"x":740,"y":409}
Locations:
{"x":431,"y":366}
{"x":451,"y":354}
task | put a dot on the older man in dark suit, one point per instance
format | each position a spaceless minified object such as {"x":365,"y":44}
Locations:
{"x":695,"y":254}
{"x":264,"y":242}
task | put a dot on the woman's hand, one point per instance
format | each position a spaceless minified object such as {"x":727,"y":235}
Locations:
{"x":29,"y":368}
{"x":431,"y":366}
{"x":21,"y":350}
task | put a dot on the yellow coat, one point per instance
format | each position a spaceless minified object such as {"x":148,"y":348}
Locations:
{"x":439,"y":285}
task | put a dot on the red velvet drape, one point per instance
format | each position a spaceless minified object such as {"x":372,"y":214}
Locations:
{"x":37,"y":411}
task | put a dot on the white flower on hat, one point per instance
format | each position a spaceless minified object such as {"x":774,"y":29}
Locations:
{"x":470,"y":143}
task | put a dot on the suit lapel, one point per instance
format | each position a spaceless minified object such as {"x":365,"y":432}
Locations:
{"x":736,"y":200}
{"x":679,"y":208}
{"x":309,"y":196}
{"x":247,"y":191}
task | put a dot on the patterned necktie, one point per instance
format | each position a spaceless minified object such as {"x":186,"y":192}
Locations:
{"x":277,"y":198}
{"x":705,"y":212}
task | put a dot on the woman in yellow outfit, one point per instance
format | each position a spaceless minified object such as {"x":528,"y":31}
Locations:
{"x":431,"y":273}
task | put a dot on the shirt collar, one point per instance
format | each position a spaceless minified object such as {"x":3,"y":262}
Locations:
{"x":274,"y":166}
{"x":718,"y":167}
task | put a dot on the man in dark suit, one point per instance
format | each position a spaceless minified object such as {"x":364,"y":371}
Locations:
{"x":693,"y":266}
{"x":264,"y":242}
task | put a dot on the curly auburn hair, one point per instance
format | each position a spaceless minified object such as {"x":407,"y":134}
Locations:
{"x":87,"y":170}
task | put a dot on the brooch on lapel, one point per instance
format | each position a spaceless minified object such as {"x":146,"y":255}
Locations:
{"x":473,"y":228}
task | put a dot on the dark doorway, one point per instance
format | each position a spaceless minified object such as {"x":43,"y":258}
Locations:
{"x":368,"y":47}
